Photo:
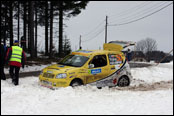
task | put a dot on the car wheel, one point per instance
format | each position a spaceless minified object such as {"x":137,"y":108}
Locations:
{"x":99,"y":87}
{"x":75,"y":83}
{"x":123,"y":81}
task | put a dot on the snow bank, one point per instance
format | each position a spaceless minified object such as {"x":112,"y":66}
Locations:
{"x":30,"y":98}
{"x":161,"y":72}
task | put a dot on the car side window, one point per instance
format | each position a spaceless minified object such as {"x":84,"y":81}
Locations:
{"x":99,"y":61}
{"x":115,"y":59}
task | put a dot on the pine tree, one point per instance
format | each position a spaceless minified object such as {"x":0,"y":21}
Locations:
{"x":11,"y":22}
{"x":72,"y":8}
{"x":46,"y":27}
{"x":51,"y":29}
{"x":66,"y":46}
{"x":31,"y":28}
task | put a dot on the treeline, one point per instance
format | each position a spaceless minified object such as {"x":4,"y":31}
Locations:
{"x":35,"y":13}
{"x":147,"y":49}
{"x":156,"y":56}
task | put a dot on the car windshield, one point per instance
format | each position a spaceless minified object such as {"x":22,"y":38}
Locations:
{"x":74,"y":60}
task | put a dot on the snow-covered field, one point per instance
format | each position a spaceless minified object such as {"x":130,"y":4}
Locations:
{"x":30,"y":98}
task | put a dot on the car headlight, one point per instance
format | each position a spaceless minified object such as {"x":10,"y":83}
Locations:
{"x":61,"y":76}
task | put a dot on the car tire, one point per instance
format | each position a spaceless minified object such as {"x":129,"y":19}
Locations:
{"x":123,"y":81}
{"x":99,"y":87}
{"x":75,"y":83}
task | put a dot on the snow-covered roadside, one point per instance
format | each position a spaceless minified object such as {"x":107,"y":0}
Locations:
{"x":162,"y":72}
{"x":30,"y":98}
{"x":30,"y":68}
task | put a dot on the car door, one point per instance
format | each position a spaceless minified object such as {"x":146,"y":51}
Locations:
{"x":99,"y":68}
{"x":115,"y":61}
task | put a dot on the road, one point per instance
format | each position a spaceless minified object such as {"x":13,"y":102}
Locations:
{"x":36,"y":73}
{"x":26,"y":74}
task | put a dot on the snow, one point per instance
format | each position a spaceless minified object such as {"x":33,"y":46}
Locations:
{"x":162,"y":72}
{"x":30,"y":98}
{"x":30,"y":68}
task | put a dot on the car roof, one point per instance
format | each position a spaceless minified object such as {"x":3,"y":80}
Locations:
{"x":96,"y":52}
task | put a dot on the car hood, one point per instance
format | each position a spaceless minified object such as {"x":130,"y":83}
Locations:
{"x":57,"y":68}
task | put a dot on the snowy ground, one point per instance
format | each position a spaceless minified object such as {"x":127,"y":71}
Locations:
{"x":30,"y":68}
{"x":30,"y":98}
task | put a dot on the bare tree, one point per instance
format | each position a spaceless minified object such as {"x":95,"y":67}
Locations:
{"x":146,"y":45}
{"x":140,"y":46}
{"x":150,"y":44}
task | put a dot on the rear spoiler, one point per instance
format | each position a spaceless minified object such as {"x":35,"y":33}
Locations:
{"x":117,"y":45}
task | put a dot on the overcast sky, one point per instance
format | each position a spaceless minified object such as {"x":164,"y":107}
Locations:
{"x":91,"y":22}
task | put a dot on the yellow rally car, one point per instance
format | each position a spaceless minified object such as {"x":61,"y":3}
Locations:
{"x":101,"y":68}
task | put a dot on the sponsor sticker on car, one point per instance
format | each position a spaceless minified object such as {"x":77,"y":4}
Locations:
{"x":95,"y":71}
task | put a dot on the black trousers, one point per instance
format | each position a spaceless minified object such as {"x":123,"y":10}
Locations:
{"x":2,"y":72}
{"x":14,"y":74}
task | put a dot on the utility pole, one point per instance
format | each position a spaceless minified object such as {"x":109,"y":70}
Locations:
{"x":106,"y":29}
{"x":80,"y":42}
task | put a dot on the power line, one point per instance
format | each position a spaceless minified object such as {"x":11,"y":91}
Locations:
{"x":139,"y":13}
{"x":93,"y":30}
{"x":128,"y":11}
{"x":141,"y":17}
{"x":94,"y":36}
{"x":128,"y":22}
{"x":133,"y":14}
{"x":149,"y":10}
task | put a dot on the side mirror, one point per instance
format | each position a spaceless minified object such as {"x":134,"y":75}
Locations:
{"x":91,"y":66}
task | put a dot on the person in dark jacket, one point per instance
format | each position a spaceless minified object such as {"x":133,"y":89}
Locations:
{"x":15,"y":58}
{"x":128,"y":55}
{"x":2,"y":60}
